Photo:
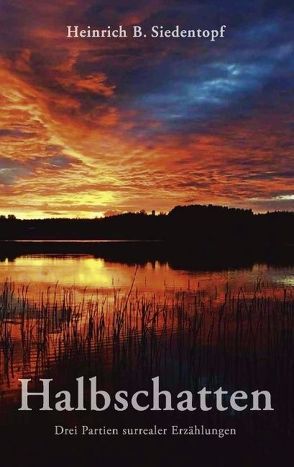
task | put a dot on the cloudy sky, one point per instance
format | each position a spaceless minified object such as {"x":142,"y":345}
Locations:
{"x":93,"y":126}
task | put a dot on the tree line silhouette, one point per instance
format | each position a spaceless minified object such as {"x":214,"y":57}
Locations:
{"x":194,"y":223}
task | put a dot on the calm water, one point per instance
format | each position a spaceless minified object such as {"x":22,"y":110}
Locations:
{"x":126,"y":323}
{"x":86,"y":271}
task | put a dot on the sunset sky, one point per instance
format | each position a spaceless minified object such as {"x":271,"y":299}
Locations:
{"x":96,"y":126}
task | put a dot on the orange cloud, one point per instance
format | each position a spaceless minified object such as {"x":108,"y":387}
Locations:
{"x":75,"y":138}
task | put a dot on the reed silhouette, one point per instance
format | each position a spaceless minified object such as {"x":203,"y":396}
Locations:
{"x":236,"y":338}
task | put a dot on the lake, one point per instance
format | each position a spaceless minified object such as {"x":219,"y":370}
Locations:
{"x":63,"y":315}
{"x":86,"y":271}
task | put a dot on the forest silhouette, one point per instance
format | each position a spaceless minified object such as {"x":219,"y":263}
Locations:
{"x":194,"y":223}
{"x":188,"y":237}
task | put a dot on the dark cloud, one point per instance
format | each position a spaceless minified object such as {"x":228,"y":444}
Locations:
{"x":15,"y":133}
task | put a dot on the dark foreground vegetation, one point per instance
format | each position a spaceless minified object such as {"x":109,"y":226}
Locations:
{"x":237,"y":339}
{"x":208,"y":224}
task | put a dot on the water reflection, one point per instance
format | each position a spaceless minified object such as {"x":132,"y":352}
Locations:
{"x":66,"y":316}
{"x":96,"y":273}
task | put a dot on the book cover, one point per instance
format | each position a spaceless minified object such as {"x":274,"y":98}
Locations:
{"x":146,"y":233}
